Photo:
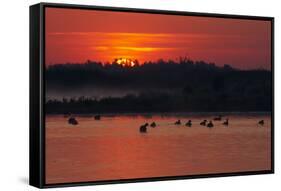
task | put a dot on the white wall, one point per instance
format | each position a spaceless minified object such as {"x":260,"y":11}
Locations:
{"x":14,"y":39}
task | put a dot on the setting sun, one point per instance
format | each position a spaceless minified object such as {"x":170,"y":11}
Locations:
{"x":125,"y":62}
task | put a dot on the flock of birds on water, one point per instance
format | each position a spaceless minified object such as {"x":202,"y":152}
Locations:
{"x":206,"y":123}
{"x":143,"y":128}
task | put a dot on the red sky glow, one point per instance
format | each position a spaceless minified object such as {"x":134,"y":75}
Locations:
{"x":74,"y":36}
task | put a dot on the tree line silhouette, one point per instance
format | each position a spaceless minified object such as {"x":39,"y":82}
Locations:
{"x":161,"y":86}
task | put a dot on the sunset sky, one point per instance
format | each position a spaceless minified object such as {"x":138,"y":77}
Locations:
{"x":74,"y":35}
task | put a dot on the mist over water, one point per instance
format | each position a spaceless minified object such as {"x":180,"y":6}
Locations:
{"x":175,"y":86}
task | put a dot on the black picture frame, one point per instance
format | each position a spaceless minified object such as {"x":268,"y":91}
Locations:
{"x":37,"y":94}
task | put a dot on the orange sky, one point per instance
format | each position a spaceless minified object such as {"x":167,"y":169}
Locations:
{"x":74,"y":35}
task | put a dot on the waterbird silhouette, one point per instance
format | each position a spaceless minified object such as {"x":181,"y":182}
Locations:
{"x":203,"y":123}
{"x":217,"y":118}
{"x":72,"y":121}
{"x":143,"y":128}
{"x":225,"y":123}
{"x":97,"y":117}
{"x":189,"y":123}
{"x":261,"y":122}
{"x":178,"y":122}
{"x":153,"y":124}
{"x":210,"y":124}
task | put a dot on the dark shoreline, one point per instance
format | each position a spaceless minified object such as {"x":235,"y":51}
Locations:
{"x":250,"y":113}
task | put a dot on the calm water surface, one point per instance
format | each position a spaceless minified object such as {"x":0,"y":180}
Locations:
{"x":113,"y":148}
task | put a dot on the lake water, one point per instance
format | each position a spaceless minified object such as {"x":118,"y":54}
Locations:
{"x":112,"y":148}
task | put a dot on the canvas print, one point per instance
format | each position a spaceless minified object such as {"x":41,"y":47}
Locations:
{"x":139,"y":95}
